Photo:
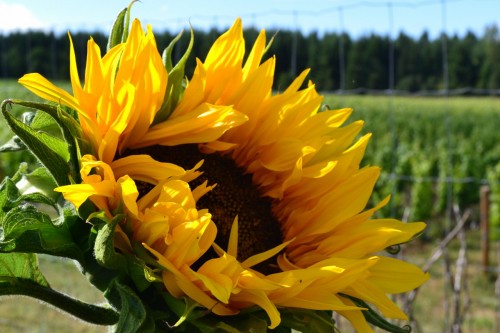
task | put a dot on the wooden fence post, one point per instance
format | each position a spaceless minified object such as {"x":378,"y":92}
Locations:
{"x":484,"y":206}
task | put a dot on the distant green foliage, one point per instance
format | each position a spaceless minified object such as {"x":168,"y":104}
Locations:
{"x":430,"y":140}
{"x":418,"y":62}
{"x":494,"y":178}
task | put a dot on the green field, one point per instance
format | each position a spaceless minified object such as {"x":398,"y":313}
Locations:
{"x":419,"y":142}
{"x":423,"y":141}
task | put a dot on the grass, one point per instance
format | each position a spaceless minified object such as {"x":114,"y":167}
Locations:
{"x":479,"y":287}
{"x":26,"y":315}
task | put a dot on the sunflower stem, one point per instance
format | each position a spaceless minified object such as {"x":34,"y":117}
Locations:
{"x":87,"y":312}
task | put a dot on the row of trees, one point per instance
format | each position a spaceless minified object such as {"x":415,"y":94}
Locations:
{"x":338,"y":61}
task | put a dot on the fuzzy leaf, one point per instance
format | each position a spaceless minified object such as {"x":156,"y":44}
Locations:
{"x":15,"y":266}
{"x":41,"y":179}
{"x":133,"y":315}
{"x":104,"y":248}
{"x":52,"y":152}
{"x":9,"y":195}
{"x":56,"y":121}
{"x":26,"y":229}
{"x":46,"y":123}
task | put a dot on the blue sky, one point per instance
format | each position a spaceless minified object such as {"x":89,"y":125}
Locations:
{"x":355,"y":17}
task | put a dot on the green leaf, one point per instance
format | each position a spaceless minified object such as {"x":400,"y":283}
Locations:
{"x":48,"y":120}
{"x":175,"y":84}
{"x":133,"y":315}
{"x":26,"y":229}
{"x":52,"y":152}
{"x":45,"y":122}
{"x":9,"y":194}
{"x":141,"y":275}
{"x":104,"y":248}
{"x":14,"y":266}
{"x":38,"y":180}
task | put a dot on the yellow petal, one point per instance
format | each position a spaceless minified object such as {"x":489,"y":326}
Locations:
{"x":204,"y":124}
{"x":145,"y":168}
{"x":368,"y":292}
{"x":395,"y":276}
{"x":189,"y":288}
{"x":46,"y":90}
{"x":258,"y":297}
{"x":261,"y":257}
{"x":78,"y":194}
{"x":355,"y":317}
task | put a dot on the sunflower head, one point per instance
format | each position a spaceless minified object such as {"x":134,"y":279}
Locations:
{"x":216,"y":202}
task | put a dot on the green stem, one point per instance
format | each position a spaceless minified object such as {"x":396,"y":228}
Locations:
{"x":87,"y":312}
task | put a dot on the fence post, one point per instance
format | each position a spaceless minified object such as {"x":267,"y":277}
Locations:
{"x":484,"y":206}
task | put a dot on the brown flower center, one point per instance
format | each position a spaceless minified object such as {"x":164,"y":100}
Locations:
{"x":234,"y":195}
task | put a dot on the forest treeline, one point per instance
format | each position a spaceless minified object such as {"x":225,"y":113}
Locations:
{"x":338,"y":61}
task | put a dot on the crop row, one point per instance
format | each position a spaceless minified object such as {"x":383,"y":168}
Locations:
{"x":434,"y":152}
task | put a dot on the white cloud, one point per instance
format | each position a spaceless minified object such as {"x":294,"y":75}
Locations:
{"x":17,"y":17}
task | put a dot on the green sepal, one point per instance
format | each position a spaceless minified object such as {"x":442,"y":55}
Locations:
{"x":167,"y":52}
{"x":175,"y":85}
{"x":376,"y":319}
{"x":119,"y":31}
{"x":104,"y":249}
{"x":116,"y":33}
{"x":190,"y":307}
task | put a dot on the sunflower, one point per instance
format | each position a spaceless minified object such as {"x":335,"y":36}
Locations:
{"x":246,"y":198}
